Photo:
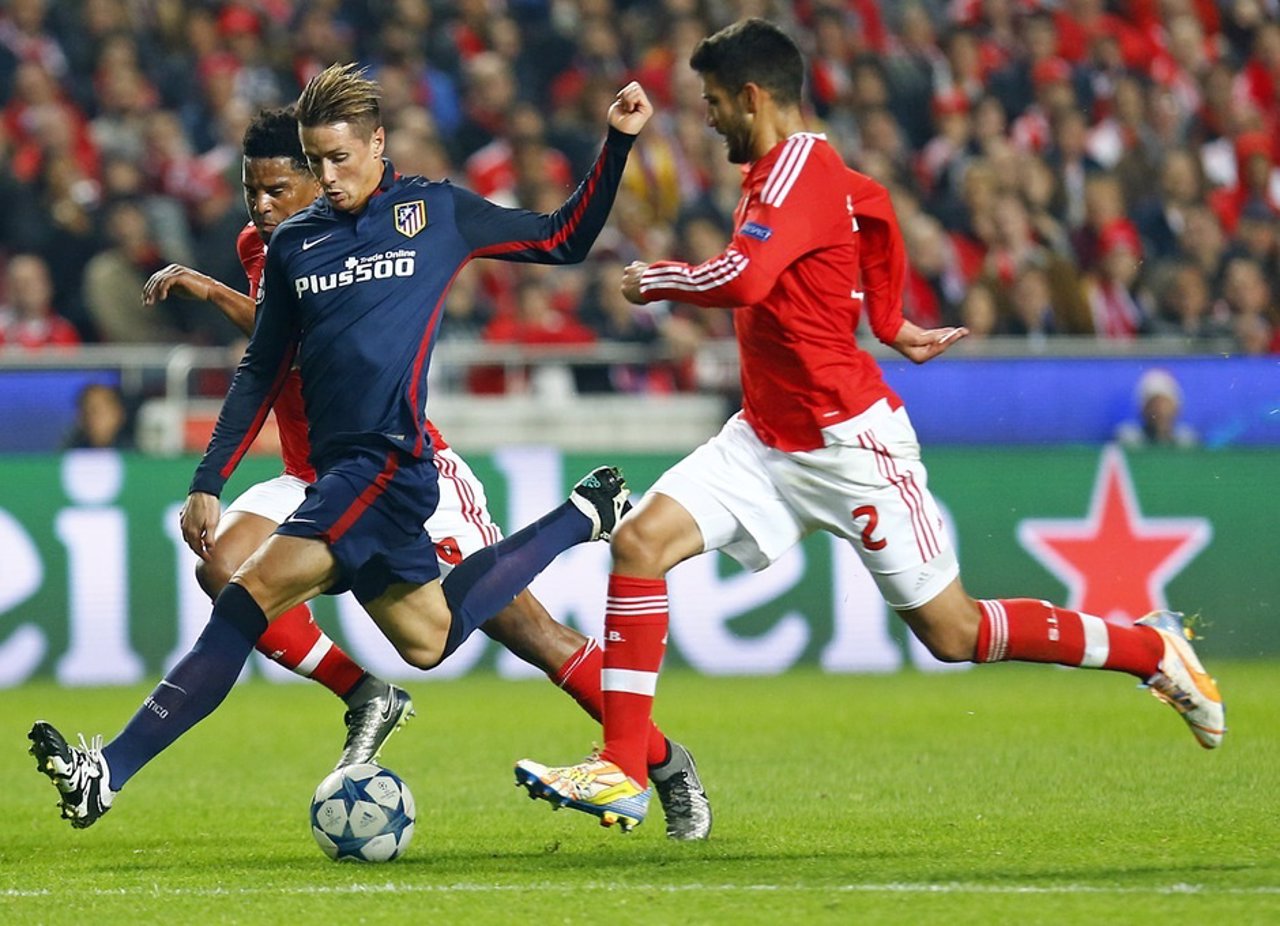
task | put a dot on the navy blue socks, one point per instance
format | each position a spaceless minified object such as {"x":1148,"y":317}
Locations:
{"x":486,"y":581}
{"x":193,"y":688}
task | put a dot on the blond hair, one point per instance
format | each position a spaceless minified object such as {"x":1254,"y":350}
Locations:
{"x":341,"y":93}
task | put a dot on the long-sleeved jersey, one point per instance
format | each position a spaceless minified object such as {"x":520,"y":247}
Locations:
{"x":813,"y":243}
{"x":291,"y":415}
{"x":357,"y":299}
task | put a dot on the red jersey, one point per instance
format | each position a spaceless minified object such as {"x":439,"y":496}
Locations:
{"x":291,"y":415}
{"x":813,"y":243}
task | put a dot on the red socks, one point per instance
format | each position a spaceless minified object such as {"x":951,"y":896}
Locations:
{"x":580,"y":677}
{"x":296,"y":642}
{"x":1028,"y":630}
{"x":635,"y":639}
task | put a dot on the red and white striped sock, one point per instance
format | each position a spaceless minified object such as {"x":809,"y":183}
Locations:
{"x":580,"y":678}
{"x":295,"y":640}
{"x":635,"y":639}
{"x":1027,"y":630}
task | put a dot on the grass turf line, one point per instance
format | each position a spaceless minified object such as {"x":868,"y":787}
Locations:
{"x":1005,"y":793}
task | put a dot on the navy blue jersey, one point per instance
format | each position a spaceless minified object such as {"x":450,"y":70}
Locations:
{"x":356,"y":301}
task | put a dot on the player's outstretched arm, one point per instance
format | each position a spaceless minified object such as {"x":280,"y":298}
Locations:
{"x":566,"y":235}
{"x":921,"y":344}
{"x":177,"y":280}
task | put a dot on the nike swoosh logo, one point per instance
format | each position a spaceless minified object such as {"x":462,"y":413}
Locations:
{"x":312,"y":242}
{"x":173,"y":686}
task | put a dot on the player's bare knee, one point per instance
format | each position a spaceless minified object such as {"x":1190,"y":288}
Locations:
{"x":213,"y":575}
{"x":422,"y":656}
{"x":636,"y":549}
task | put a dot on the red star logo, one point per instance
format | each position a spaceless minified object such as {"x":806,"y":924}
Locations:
{"x":1115,"y":562}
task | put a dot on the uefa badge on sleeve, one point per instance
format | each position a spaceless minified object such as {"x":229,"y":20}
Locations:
{"x":411,"y":218}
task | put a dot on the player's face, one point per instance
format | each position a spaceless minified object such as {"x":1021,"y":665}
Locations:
{"x":726,"y":115}
{"x":274,"y":189}
{"x":348,"y":166}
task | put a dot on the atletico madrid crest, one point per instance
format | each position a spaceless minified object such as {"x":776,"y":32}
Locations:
{"x":411,"y":218}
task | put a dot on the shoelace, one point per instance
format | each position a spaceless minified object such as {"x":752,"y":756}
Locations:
{"x":579,"y":774}
{"x":92,"y":751}
{"x":86,"y":765}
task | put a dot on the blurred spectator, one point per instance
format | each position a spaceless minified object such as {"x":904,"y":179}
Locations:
{"x":1184,"y":306}
{"x":41,"y":122}
{"x":520,"y":160}
{"x":1013,"y":250}
{"x":488,"y":94}
{"x":1202,"y":241}
{"x":1068,"y":157}
{"x":936,"y":281}
{"x":1033,"y":314}
{"x":1258,"y":238}
{"x":941,"y":161}
{"x":102,"y":421}
{"x":978,"y":311}
{"x":24,"y":37}
{"x":1162,"y":218}
{"x":1054,"y":94}
{"x":835,"y":45}
{"x":606,"y":312}
{"x":1249,"y":295}
{"x":1100,"y":208}
{"x":1159,"y":401}
{"x":535,"y":321}
{"x":1253,"y":183}
{"x":1039,"y":190}
{"x":1119,"y":305}
{"x":28,"y":318}
{"x":915,"y":64}
{"x":1256,"y":336}
{"x":124,"y":97}
{"x":114,"y":277}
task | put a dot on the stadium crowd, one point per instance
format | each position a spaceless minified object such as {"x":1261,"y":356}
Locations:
{"x":1077,"y":167}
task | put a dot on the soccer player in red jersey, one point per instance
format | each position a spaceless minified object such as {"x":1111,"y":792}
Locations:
{"x":277,"y":183}
{"x":821,"y":443}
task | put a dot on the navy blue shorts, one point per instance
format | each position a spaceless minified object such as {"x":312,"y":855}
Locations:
{"x":369,"y":507}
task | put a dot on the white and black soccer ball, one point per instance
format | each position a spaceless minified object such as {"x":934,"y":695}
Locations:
{"x":363,"y":812}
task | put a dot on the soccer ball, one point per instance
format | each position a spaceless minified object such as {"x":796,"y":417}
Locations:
{"x":362,"y":812}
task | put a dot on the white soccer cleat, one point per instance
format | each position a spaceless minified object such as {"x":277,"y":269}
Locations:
{"x":1183,"y":684}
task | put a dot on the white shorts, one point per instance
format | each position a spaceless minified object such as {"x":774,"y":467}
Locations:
{"x":866,"y":485}
{"x":274,"y":499}
{"x":460,"y":526}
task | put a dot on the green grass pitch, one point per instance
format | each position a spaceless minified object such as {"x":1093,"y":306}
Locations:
{"x":1005,"y":794}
